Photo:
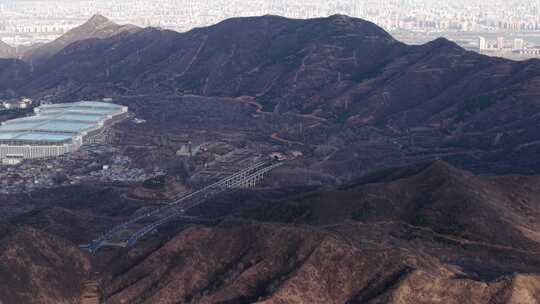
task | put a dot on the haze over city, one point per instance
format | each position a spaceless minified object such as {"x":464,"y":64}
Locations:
{"x":25,"y":22}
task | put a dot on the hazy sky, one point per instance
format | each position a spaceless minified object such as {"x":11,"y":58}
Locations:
{"x":26,"y":22}
{"x":475,"y":15}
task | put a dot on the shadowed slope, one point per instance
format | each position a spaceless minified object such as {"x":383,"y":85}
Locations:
{"x":271,"y":264}
{"x":36,"y":267}
{"x":439,"y":197}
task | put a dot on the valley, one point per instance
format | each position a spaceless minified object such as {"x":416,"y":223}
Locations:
{"x":407,"y":174}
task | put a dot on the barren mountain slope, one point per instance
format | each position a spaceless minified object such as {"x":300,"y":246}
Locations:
{"x":97,"y":27}
{"x":269,"y":263}
{"x":36,"y":267}
{"x":327,"y":84}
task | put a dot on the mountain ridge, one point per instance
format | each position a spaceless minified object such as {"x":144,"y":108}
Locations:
{"x":437,"y":199}
{"x":6,"y":50}
{"x":348,"y":97}
{"x":39,"y":267}
{"x":319,"y":247}
{"x":347,"y":73}
{"x":341,"y":254}
{"x":97,"y":26}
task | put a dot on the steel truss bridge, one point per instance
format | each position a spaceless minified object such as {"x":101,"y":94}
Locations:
{"x":128,"y":233}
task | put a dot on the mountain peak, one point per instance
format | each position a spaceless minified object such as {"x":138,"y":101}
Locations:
{"x":345,"y":19}
{"x":97,"y":27}
{"x":442,"y":42}
{"x":439,"y":164}
{"x":339,"y":16}
{"x":441,"y":170}
{"x":98,"y":19}
{"x":359,"y":26}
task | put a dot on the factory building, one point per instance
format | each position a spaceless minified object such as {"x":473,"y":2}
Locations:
{"x":56,"y":129}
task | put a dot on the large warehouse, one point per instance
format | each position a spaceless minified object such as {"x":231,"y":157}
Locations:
{"x":55,"y":129}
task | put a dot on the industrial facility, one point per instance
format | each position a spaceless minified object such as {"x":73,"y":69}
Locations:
{"x":56,"y":129}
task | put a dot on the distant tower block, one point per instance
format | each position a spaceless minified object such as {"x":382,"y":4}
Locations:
{"x":500,"y":43}
{"x":519,"y":44}
{"x":482,"y":43}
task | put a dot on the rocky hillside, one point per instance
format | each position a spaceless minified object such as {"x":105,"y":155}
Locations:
{"x":352,"y":99}
{"x":439,"y":197}
{"x":269,"y":263}
{"x":341,"y":68}
{"x":335,"y":83}
{"x":36,"y":267}
{"x":97,"y":27}
{"x":428,"y":233}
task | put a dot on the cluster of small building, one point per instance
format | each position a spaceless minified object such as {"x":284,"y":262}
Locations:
{"x":23,"y":103}
{"x":119,"y":169}
{"x":501,"y":45}
{"x":65,"y":144}
{"x":94,"y":163}
{"x":289,"y":155}
{"x":26,"y":178}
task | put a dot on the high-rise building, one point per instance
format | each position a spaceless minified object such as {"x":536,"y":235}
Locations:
{"x":500,"y":43}
{"x":519,"y":44}
{"x":482,"y":43}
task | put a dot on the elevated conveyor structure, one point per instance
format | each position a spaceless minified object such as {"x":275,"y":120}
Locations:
{"x":128,"y":233}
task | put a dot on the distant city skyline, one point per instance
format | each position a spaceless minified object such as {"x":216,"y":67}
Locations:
{"x":24,"y":22}
{"x":473,"y":15}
